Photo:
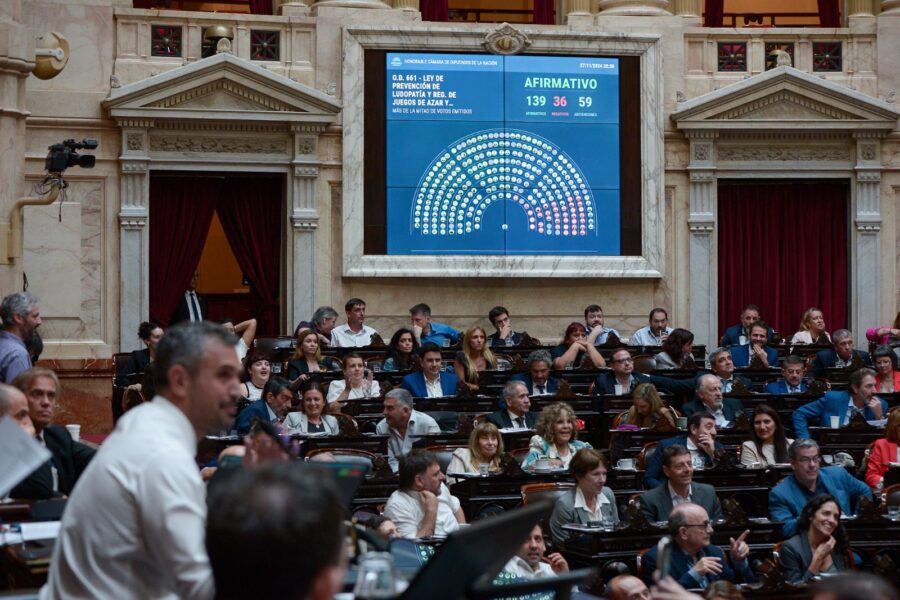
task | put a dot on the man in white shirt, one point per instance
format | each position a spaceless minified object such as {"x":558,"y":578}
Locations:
{"x":402,"y":423}
{"x":355,"y":333}
{"x":656,"y":332}
{"x":139,"y":510}
{"x":422,"y":507}
{"x":530,"y":562}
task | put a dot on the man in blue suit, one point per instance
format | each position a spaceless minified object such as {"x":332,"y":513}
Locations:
{"x":788,"y":498}
{"x":742,"y":355}
{"x":842,"y":355}
{"x":860,"y":398}
{"x":622,"y":375}
{"x":273,"y":406}
{"x":734,"y":333}
{"x":695,"y":562}
{"x":431,"y":381}
{"x":700,"y":440}
{"x":793,"y":380}
{"x":538,"y":379}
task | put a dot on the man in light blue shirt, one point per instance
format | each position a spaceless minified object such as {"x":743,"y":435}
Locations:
{"x":21,"y":317}
{"x":427,"y":331}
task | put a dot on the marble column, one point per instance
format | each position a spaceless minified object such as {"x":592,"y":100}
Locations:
{"x":410,"y":5}
{"x":688,"y":8}
{"x":890,"y":7}
{"x":866,"y":284}
{"x":293,"y":8}
{"x":634,"y":7}
{"x":702,"y":224}
{"x":134,"y":235}
{"x":859,"y":8}
{"x":304,"y":220}
{"x":578,"y":13}
{"x":351,"y":3}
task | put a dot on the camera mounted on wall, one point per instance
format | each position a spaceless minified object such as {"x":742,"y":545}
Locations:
{"x":65,"y":155}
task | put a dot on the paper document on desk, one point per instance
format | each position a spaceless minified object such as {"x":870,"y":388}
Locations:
{"x":20,"y":455}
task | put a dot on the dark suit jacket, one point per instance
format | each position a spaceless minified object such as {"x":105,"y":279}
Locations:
{"x":69,"y":457}
{"x":741,"y":356}
{"x":657,"y":503}
{"x":730,"y":408}
{"x":501,"y":419}
{"x":825,"y":359}
{"x":733,"y":335}
{"x":245,"y":419}
{"x":681,"y":563}
{"x":552,"y":382}
{"x":182,"y":311}
{"x":796,"y":555}
{"x":781,"y":387}
{"x":298,"y":367}
{"x":747,"y":383}
{"x":654,"y":474}
{"x":137,"y":363}
{"x":605,"y":383}
{"x":414,"y":383}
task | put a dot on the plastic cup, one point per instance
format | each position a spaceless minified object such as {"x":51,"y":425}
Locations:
{"x":75,"y":431}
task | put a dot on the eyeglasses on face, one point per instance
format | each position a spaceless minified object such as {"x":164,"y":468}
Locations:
{"x":623,"y":360}
{"x":705,"y":524}
{"x":808,"y":460}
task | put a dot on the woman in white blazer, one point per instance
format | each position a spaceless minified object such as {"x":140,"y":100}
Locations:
{"x":311,"y":419}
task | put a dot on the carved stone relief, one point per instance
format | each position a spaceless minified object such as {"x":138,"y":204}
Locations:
{"x":506,"y":40}
{"x":134,"y":141}
{"x":186,"y":143}
{"x":782,"y":153}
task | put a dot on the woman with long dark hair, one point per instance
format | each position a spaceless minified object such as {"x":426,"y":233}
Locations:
{"x":677,"y":350}
{"x":768,"y":443}
{"x":819,"y":545}
{"x":402,"y":351}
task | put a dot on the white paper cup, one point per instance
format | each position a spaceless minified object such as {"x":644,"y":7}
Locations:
{"x":835,"y":422}
{"x":75,"y":431}
{"x":625,"y":464}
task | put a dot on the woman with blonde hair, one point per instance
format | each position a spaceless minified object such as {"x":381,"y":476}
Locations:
{"x":485,"y":448}
{"x":812,"y":328}
{"x":884,"y":451}
{"x":556,"y":437}
{"x":307,"y":358}
{"x":647,"y":407}
{"x":475,"y":356}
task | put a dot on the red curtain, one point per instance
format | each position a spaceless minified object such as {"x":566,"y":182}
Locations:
{"x":250,"y":211}
{"x":142,"y":3}
{"x":261,"y":7}
{"x":434,"y":10}
{"x":543,"y":13}
{"x":713,"y":13}
{"x":829,"y":13}
{"x":783,"y":247}
{"x":181,"y":209}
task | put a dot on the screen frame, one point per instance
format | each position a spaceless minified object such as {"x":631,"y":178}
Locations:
{"x":364,"y":216}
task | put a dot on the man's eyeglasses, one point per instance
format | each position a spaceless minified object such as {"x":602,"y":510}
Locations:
{"x":809,"y":460}
{"x":623,"y":360}
{"x":704,"y":524}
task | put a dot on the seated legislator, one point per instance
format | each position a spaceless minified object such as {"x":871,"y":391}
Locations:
{"x":322,"y":322}
{"x":820,"y":544}
{"x":150,"y":333}
{"x":429,"y":332}
{"x":529,"y":561}
{"x":569,"y":354}
{"x":474,"y":357}
{"x":271,"y":408}
{"x":402,"y":422}
{"x":647,"y":408}
{"x":627,"y":587}
{"x":261,"y":546}
{"x":859,"y":398}
{"x":808,"y":480}
{"x":485,"y":448}
{"x":738,"y":335}
{"x":589,"y":501}
{"x":722,"y":364}
{"x":621,"y":378}
{"x":709,"y":399}
{"x":257,"y":369}
{"x":840,"y":356}
{"x":358,"y":382}
{"x":68,"y":458}
{"x":518,"y":413}
{"x":812,"y":329}
{"x":597,"y":331}
{"x":311,"y":417}
{"x":678,"y":487}
{"x":756,"y":347}
{"x":695,"y":562}
{"x":677,"y":351}
{"x":793,"y":377}
{"x":768,"y":444}
{"x":355,"y":333}
{"x":656,"y":332}
{"x":503,"y":335}
{"x":556,"y":437}
{"x":14,"y":404}
{"x":422,"y":506}
{"x":538,"y":379}
{"x":886,"y":335}
{"x":887,"y":379}
{"x":431,"y":381}
{"x":403,"y":351}
{"x":245,"y":332}
{"x":307,"y":359}
{"x":884,"y":452}
{"x":700,"y":440}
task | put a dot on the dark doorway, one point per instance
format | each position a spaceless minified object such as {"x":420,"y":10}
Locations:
{"x":783,"y":246}
{"x":249,"y":209}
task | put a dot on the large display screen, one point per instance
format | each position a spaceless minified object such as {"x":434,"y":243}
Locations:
{"x":494,"y":155}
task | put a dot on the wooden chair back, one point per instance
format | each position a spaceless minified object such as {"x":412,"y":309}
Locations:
{"x":534,"y":492}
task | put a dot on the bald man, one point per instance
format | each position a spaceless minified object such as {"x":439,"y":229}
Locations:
{"x":14,"y":403}
{"x":627,"y":587}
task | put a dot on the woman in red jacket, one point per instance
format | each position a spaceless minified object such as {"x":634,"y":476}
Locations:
{"x":884,"y":451}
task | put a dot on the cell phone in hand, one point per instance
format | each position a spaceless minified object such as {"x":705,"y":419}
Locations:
{"x":663,"y":556}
